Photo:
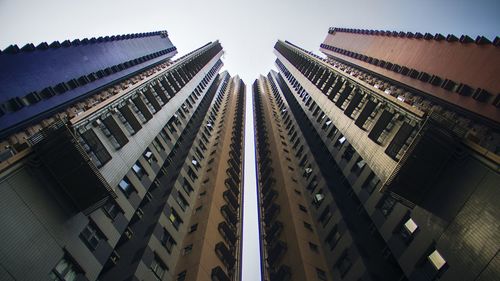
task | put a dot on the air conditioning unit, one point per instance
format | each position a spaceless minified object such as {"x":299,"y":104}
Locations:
{"x":97,"y":122}
{"x":128,"y":233}
{"x":114,"y":257}
{"x":148,"y":196}
{"x":139,"y":213}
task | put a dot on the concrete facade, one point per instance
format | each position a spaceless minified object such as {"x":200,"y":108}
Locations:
{"x":406,"y":185}
{"x":111,"y":187}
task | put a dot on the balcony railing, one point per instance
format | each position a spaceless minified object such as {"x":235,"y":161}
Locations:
{"x":71,"y":167}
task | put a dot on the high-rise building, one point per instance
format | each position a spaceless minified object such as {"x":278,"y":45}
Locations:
{"x":118,"y":163}
{"x":381,"y":161}
{"x":378,"y":162}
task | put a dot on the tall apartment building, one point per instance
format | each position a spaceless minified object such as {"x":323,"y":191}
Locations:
{"x":118,"y":163}
{"x":381,"y":161}
{"x":291,"y":247}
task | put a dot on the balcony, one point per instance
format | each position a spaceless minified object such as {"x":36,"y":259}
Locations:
{"x":143,"y":108}
{"x":225,"y":255}
{"x":435,"y":157}
{"x":152,"y":99}
{"x":269,"y":198}
{"x":130,"y":118}
{"x":228,"y":233}
{"x":218,"y":274}
{"x":276,"y":253}
{"x":115,"y":131}
{"x":284,"y":273}
{"x":271,"y":213}
{"x":274,"y":231}
{"x":232,"y":185}
{"x":231,"y":199}
{"x":77,"y":176}
{"x":229,"y":215}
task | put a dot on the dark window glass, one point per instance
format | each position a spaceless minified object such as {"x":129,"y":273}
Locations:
{"x":65,"y":270}
{"x":91,"y":236}
{"x":158,"y":267}
{"x":126,"y":187}
{"x":167,"y":240}
{"x":386,"y":205}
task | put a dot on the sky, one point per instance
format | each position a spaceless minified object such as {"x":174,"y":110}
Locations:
{"x":251,"y":267}
{"x":247,"y":31}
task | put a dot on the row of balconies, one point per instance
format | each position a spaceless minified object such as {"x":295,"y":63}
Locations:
{"x":230,"y":211}
{"x":275,"y":249}
{"x":32,"y":98}
{"x":463,"y":89}
{"x":369,"y":115}
{"x":187,"y":68}
{"x":324,"y":215}
{"x":132,"y":115}
{"x":147,"y":203}
{"x":481,"y":40}
{"x":404,"y":231}
{"x":13,"y":49}
{"x":141,"y":212}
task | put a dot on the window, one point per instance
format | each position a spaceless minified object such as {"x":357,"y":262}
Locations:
{"x":126,"y":187}
{"x":302,"y":208}
{"x":313,"y":247}
{"x":308,"y":226}
{"x":65,"y":270}
{"x":195,"y":163}
{"x":358,"y":167}
{"x":182,"y":276}
{"x":158,"y":267}
{"x":111,"y":209}
{"x":370,"y":183}
{"x":187,"y":249}
{"x":297,"y":191}
{"x":157,"y":144}
{"x":187,"y":187}
{"x":307,"y":172}
{"x":125,"y":122}
{"x":193,"y":228}
{"x":139,"y":170}
{"x":198,"y":209}
{"x":348,"y":153}
{"x":321,"y":274}
{"x":312,"y":184}
{"x":343,"y":264}
{"x":325,"y":216}
{"x":175,"y":219}
{"x":149,"y":156}
{"x":94,"y":147}
{"x":91,"y":236}
{"x":386,"y":205}
{"x":192,"y":175}
{"x":318,"y":198}
{"x":167,"y":240}
{"x":183,"y":203}
{"x":333,"y":237}
{"x":332,"y":133}
{"x":340,"y":141}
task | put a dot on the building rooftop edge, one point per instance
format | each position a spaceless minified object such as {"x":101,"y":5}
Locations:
{"x":29,"y":47}
{"x":480,"y":40}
